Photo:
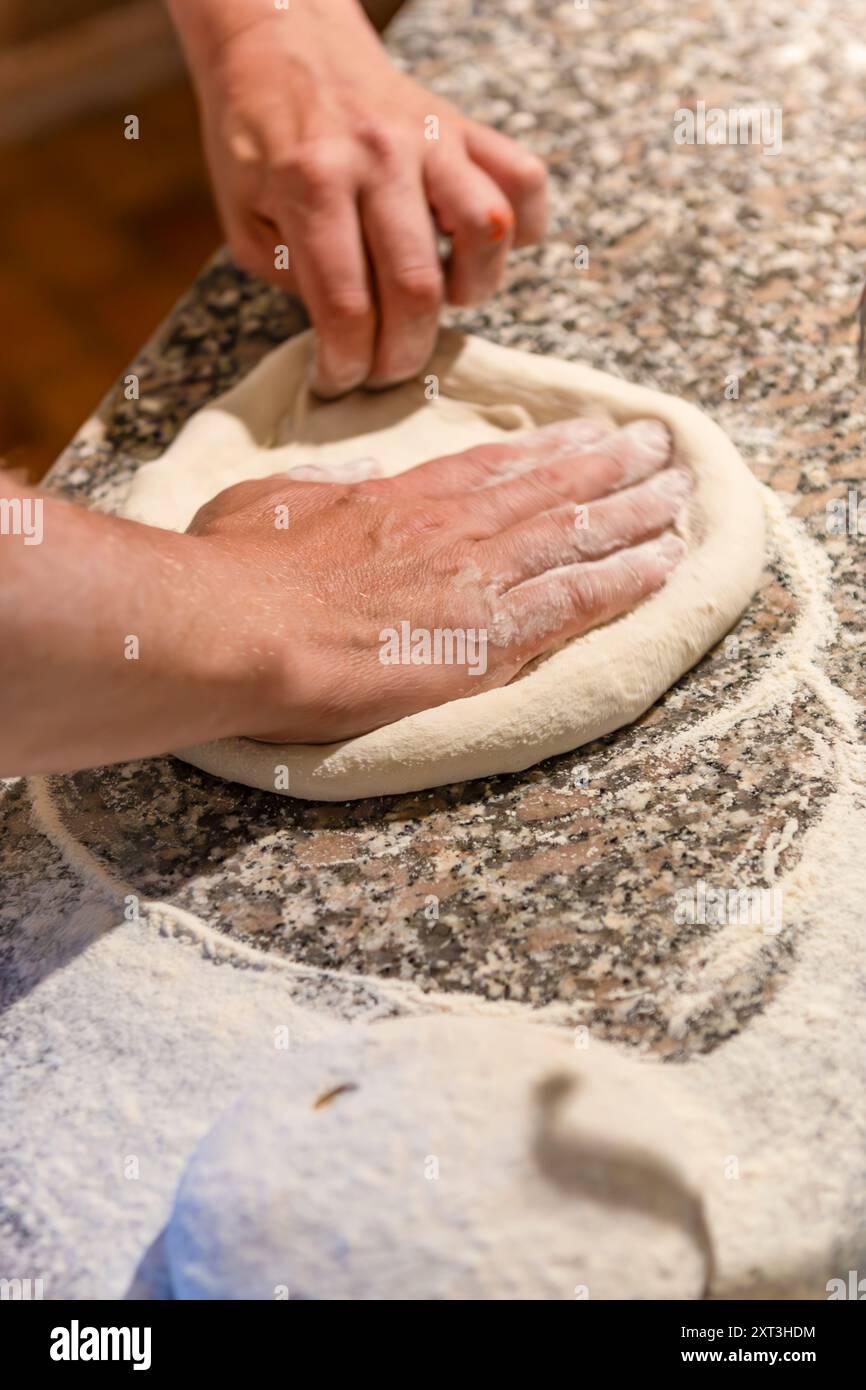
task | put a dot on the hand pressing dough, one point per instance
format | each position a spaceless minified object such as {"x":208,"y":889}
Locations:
{"x":270,"y":422}
{"x":446,"y":1158}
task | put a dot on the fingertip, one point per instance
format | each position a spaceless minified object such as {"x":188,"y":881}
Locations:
{"x":676,"y":484}
{"x":329,"y":385}
{"x":670,"y":549}
{"x":650,"y":437}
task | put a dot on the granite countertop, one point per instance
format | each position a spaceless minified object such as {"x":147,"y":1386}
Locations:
{"x":556,"y":886}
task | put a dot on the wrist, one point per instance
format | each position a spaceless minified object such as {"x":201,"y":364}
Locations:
{"x":227,"y":649}
{"x":120,"y":641}
{"x":207,"y":27}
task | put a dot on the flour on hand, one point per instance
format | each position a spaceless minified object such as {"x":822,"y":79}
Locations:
{"x":473,"y":392}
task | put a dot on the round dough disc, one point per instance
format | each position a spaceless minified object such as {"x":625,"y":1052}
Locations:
{"x":473,"y":392}
{"x":447,"y":1158}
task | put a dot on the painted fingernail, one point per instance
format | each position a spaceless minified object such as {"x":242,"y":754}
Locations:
{"x":501,"y":223}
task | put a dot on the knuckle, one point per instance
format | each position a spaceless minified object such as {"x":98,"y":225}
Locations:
{"x":588,"y":594}
{"x":220,"y":513}
{"x":420,"y":522}
{"x":430,"y":517}
{"x":373,"y":489}
{"x":381,"y":139}
{"x":458,"y":564}
{"x":421,"y":286}
{"x":344,"y":304}
{"x":551,"y":483}
{"x":312,"y":167}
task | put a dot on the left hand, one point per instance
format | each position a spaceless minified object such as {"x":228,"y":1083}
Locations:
{"x":316,"y":142}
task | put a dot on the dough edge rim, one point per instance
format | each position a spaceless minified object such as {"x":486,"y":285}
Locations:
{"x":590,"y":687}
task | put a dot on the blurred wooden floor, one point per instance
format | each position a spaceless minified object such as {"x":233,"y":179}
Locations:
{"x":99,"y":235}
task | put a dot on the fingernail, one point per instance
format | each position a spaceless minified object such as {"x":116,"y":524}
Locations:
{"x":671,"y":548}
{"x":571,"y":436}
{"x":650,"y":437}
{"x":387,"y":383}
{"x":330,"y":385}
{"x":580,"y":431}
{"x":674,"y":483}
{"x":409,"y":370}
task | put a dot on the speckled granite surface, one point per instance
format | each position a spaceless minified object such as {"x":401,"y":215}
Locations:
{"x":557,"y":885}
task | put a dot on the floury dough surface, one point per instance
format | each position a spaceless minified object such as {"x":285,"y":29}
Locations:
{"x":446,"y":1158}
{"x":270,"y":423}
{"x":557,"y":885}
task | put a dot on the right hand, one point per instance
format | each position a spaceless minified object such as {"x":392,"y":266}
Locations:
{"x":485,"y":539}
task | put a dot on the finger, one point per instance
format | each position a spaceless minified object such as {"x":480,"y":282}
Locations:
{"x":522,"y":178}
{"x":572,"y":534}
{"x":564,"y":603}
{"x":485,"y":465}
{"x":570,"y":475}
{"x":471,"y":209}
{"x":330,"y":265}
{"x":401,"y":243}
{"x":252,"y":240}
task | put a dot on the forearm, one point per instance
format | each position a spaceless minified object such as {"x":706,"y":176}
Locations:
{"x":110,"y":643}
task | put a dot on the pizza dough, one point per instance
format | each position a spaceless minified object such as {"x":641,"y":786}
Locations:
{"x":446,"y":1158}
{"x":270,"y":422}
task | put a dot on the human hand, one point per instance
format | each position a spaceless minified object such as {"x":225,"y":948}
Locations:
{"x":488,"y":541}
{"x":318,"y":144}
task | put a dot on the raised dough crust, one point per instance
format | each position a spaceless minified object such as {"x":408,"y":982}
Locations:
{"x":270,"y":422}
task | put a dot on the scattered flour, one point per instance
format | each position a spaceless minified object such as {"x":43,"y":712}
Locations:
{"x":126,"y":1039}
